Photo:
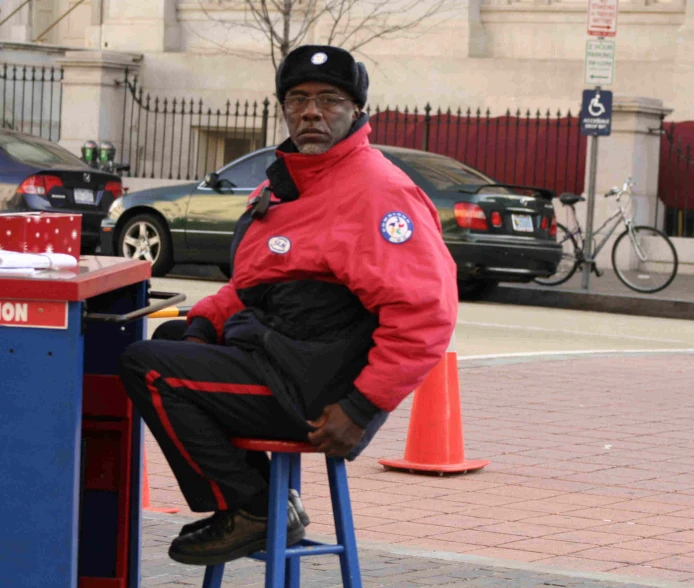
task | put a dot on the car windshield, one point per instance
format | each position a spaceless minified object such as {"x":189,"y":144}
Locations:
{"x":36,"y":152}
{"x":444,"y":173}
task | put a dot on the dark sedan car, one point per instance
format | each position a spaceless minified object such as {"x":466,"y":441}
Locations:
{"x":37,"y":175}
{"x":494,"y":232}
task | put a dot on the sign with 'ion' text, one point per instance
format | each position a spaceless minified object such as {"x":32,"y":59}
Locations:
{"x":44,"y":314}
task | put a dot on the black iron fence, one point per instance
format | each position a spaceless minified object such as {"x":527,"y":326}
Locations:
{"x":31,"y":99}
{"x":676,"y":177}
{"x":181,"y":138}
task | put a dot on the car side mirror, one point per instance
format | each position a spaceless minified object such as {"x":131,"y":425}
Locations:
{"x":212,"y":180}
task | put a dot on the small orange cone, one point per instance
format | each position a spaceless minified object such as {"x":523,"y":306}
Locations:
{"x":146,"y":500}
{"x":435,"y":433}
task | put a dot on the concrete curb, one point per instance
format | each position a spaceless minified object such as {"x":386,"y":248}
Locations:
{"x":581,"y":300}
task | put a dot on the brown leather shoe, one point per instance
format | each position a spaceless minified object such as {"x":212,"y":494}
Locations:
{"x":230,"y":536}
{"x":294,"y":499}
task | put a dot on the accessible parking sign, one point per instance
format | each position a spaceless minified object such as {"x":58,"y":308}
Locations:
{"x":596,"y":112}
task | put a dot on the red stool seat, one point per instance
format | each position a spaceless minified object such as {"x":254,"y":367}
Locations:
{"x":272,"y":446}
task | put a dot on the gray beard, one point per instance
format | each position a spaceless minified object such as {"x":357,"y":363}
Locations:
{"x":313,"y":149}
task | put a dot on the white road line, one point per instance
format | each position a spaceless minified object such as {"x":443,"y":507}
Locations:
{"x":580,"y":352}
{"x":565,"y":331}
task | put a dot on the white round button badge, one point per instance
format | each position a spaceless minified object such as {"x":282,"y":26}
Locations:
{"x":319,"y":58}
{"x":279,"y":245}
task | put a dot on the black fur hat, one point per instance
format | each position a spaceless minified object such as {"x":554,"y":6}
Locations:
{"x":322,"y":63}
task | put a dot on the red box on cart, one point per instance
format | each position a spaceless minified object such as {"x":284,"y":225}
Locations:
{"x":41,"y":232}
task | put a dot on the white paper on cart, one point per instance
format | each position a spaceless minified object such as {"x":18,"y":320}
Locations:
{"x":14,"y":260}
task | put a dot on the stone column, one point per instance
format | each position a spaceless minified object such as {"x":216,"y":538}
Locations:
{"x":18,"y":29}
{"x":685,"y":35}
{"x":137,"y":25}
{"x":474,"y":30}
{"x":631,"y":150}
{"x":93,"y":97}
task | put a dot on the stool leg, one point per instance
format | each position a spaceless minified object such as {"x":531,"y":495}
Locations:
{"x":344,"y":524}
{"x":277,"y":521}
{"x":213,"y":576}
{"x":293,"y":567}
{"x":295,"y":471}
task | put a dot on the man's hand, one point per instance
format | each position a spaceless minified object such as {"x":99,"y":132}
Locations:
{"x":336,"y":434}
{"x":191,"y":339}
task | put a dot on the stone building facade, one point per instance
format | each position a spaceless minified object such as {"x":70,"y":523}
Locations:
{"x":494,"y":54}
{"x":490,"y":54}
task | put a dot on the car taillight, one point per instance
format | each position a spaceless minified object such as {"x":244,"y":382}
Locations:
{"x":116,"y":188}
{"x":545,"y":223}
{"x":496,"y":219}
{"x":553,"y":226}
{"x":470,"y":216}
{"x":40,"y":184}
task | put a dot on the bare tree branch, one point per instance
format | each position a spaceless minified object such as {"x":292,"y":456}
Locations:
{"x":351,"y":24}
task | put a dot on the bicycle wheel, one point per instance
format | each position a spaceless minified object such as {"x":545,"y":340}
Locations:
{"x":648,"y":262}
{"x":569,"y":259}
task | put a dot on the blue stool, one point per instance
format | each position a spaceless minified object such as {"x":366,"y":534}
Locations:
{"x":282,"y":564}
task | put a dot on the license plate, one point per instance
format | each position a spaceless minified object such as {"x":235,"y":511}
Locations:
{"x":522,"y":223}
{"x":84,"y":196}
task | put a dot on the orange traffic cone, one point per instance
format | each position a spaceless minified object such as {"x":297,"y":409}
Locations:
{"x":435,"y":433}
{"x":146,"y":500}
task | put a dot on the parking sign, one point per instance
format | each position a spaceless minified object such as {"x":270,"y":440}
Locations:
{"x":596,"y":112}
{"x":599,"y":63}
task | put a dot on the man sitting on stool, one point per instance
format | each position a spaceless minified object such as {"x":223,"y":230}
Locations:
{"x":342,"y":298}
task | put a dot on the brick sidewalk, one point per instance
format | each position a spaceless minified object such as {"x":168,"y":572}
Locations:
{"x":591,"y":472}
{"x":379,"y":568}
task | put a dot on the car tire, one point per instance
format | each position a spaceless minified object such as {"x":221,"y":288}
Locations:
{"x":145,"y":237}
{"x":475,"y":289}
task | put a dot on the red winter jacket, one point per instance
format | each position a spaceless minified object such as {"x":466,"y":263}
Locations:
{"x":360,"y":222}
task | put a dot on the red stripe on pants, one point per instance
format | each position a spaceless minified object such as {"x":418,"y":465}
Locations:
{"x":163,"y":417}
{"x":252,"y":389}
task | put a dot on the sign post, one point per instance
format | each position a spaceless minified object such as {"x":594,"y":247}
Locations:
{"x":596,"y":121}
{"x":596,"y":107}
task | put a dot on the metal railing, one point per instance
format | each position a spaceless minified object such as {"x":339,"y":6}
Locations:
{"x":179,"y":138}
{"x":31,"y":99}
{"x":182,"y":139}
{"x":522,"y":148}
{"x":676,"y":178}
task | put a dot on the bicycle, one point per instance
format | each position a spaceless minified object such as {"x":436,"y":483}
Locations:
{"x":643,"y":257}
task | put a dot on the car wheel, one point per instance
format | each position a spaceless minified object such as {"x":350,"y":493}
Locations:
{"x":475,"y":289}
{"x":145,"y":237}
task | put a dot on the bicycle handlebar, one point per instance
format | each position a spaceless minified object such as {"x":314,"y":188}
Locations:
{"x":626,"y":187}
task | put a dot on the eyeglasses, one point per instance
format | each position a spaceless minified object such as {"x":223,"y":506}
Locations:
{"x":323,"y":102}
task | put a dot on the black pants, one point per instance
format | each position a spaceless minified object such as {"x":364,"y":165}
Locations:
{"x":193,"y":397}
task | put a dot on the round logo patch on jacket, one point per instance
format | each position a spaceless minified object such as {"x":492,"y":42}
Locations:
{"x":279,"y":245}
{"x":396,"y":227}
